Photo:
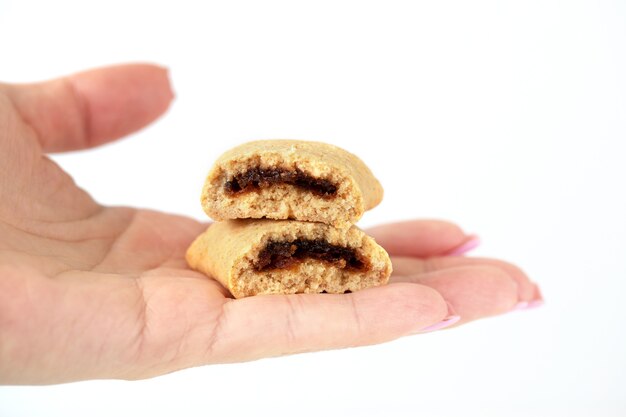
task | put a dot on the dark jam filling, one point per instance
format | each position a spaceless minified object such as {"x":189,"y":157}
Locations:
{"x":282,"y":255}
{"x":256,"y":178}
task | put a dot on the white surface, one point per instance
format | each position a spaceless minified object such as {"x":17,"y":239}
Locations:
{"x":507,"y":117}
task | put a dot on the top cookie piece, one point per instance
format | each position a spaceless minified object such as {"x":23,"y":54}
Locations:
{"x":290,"y":179}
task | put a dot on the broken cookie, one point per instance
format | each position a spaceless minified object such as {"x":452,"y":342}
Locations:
{"x":289,"y":179}
{"x":252,"y":257}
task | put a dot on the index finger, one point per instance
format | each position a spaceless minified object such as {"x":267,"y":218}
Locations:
{"x":92,"y":107}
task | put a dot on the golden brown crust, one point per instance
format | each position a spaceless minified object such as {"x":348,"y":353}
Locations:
{"x":357,"y":189}
{"x":227,"y":252}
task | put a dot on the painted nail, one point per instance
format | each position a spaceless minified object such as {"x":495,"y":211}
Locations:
{"x":535,"y":304}
{"x":168,"y":75}
{"x":471,"y":243}
{"x":537,"y":301}
{"x":448,"y":321}
{"x":520,"y":306}
{"x":528,"y":305}
{"x":537,"y":296}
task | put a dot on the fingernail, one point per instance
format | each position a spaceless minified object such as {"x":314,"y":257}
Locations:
{"x":520,"y":306}
{"x":538,"y":296}
{"x":472,"y":242}
{"x":170,"y":84}
{"x":527,"y":305}
{"x":535,"y":304}
{"x":537,"y":301}
{"x":448,"y":321}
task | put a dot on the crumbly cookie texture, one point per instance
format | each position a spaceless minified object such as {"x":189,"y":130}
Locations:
{"x":323,"y":183}
{"x":230,"y":252}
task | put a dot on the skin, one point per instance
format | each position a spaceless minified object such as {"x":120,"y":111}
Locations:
{"x":88,"y":291}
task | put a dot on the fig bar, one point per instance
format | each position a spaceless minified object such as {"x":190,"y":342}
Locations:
{"x":282,"y":254}
{"x":256,"y":178}
{"x":289,"y":179}
{"x":313,"y":193}
{"x":252,"y":257}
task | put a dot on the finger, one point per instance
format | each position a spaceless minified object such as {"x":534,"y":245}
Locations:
{"x":537,"y":300}
{"x":421,"y":238}
{"x":405,"y":266}
{"x":474,"y":292}
{"x":265,"y":326}
{"x":92,"y":107}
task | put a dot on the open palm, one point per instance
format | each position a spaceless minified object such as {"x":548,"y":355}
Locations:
{"x":88,"y":291}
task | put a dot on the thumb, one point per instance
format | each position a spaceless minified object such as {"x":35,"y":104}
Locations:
{"x":92,"y":107}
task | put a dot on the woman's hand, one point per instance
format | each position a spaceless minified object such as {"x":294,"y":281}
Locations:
{"x":88,"y":291}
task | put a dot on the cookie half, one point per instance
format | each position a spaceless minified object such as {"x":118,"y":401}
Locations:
{"x":289,"y":179}
{"x":252,"y":257}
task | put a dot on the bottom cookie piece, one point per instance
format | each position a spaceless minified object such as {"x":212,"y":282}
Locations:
{"x":253,"y":257}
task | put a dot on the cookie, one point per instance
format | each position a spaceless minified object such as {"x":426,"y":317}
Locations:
{"x":253,"y":257}
{"x":290,"y":179}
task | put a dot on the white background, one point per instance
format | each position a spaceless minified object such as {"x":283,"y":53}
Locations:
{"x":507,"y":117}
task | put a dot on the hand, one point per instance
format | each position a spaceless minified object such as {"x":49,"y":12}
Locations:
{"x":88,"y":291}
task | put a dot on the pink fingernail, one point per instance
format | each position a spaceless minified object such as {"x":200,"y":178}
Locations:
{"x":471,"y":243}
{"x":520,"y":306}
{"x":535,"y":304}
{"x":537,"y":301}
{"x":448,"y":321}
{"x":538,"y":296}
{"x":527,"y":305}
